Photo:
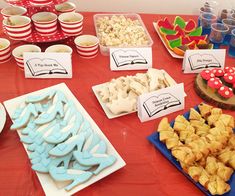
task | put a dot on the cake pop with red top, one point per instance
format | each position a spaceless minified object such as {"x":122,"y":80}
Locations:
{"x":229,"y":69}
{"x":229,"y":78}
{"x":207,"y":74}
{"x":218,"y":72}
{"x":225,"y":92}
{"x":214,"y":83}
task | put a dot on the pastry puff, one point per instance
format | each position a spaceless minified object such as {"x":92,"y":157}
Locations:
{"x":167,"y":134}
{"x":217,"y":186}
{"x":205,"y":109}
{"x":214,"y":167}
{"x":227,"y":156}
{"x":184,"y":154}
{"x":195,"y":172}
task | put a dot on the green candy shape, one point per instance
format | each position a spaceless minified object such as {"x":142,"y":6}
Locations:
{"x":175,"y":43}
{"x":167,"y":31}
{"x":196,"y":32}
{"x":180,"y":22}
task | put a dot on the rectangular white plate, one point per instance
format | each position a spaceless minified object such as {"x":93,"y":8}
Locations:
{"x":171,"y":52}
{"x":49,"y":186}
{"x":108,"y":113}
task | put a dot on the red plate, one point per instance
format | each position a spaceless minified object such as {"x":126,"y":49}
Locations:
{"x":38,"y":38}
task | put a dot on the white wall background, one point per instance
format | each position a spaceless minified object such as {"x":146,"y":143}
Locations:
{"x":144,"y":6}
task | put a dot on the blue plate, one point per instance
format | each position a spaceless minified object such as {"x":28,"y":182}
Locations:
{"x":154,"y":139}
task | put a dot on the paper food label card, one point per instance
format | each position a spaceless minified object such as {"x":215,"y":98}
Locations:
{"x":47,"y":65}
{"x":130,"y":58}
{"x":197,"y":60}
{"x":161,"y":102}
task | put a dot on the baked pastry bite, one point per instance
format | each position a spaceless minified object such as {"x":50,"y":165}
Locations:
{"x":217,"y":186}
{"x":205,"y":110}
{"x":184,"y":154}
{"x":195,"y":172}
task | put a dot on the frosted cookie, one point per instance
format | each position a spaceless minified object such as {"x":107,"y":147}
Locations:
{"x":44,"y":97}
{"x":24,"y":117}
{"x":76,"y":176}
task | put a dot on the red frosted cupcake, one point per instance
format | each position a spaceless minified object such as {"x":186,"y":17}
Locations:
{"x":229,"y":69}
{"x":218,"y":72}
{"x":229,"y":79}
{"x":225,"y":92}
{"x":214,"y":84}
{"x":206,"y":75}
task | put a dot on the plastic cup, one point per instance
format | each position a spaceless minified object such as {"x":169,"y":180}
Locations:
{"x":218,"y":32}
{"x":231,"y":50}
{"x":203,"y":10}
{"x":231,"y":25}
{"x":206,"y":20}
{"x":224,"y":14}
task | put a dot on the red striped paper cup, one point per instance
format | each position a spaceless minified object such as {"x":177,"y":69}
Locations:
{"x":19,"y":51}
{"x":65,"y":7}
{"x":13,"y":11}
{"x":40,"y":2}
{"x":45,"y":23}
{"x":5,"y":50}
{"x":71,"y":23}
{"x":87,"y":46}
{"x":18,"y":27}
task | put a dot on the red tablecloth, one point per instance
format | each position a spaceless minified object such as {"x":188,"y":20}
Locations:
{"x":147,"y":171}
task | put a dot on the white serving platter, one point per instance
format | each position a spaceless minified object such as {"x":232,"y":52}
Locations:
{"x":171,"y":52}
{"x":2,"y":117}
{"x":50,"y":187}
{"x":108,"y":113}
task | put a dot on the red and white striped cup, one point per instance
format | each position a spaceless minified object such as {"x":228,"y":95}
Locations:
{"x":18,"y":27}
{"x":71,"y":23}
{"x":87,"y":46}
{"x":13,"y":11}
{"x":40,"y":2}
{"x":18,"y":53}
{"x":65,"y":7}
{"x":45,"y":23}
{"x":5,"y":50}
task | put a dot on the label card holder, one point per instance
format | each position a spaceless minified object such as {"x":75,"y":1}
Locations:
{"x":161,"y":102}
{"x":197,"y":60}
{"x":47,"y":65}
{"x":130,"y":58}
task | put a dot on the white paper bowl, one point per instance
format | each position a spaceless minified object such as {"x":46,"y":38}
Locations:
{"x":65,"y":7}
{"x":18,"y":53}
{"x":13,"y":11}
{"x":70,"y":18}
{"x":58,"y":48}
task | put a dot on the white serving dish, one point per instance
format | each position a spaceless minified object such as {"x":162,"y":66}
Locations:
{"x":105,"y":49}
{"x":49,"y":186}
{"x":108,"y":113}
{"x":171,"y":52}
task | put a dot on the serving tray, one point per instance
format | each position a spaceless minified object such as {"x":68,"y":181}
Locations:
{"x":154,"y":139}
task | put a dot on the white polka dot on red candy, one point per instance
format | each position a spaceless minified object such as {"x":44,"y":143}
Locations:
{"x":212,"y":75}
{"x":230,"y":77}
{"x":220,"y":71}
{"x":226,"y":93}
{"x":207,"y":71}
{"x":222,"y":88}
{"x":216,"y":83}
{"x":230,"y":89}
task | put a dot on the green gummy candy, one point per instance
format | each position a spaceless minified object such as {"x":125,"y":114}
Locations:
{"x":167,"y":31}
{"x":180,"y":22}
{"x":196,"y":32}
{"x":175,"y":43}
